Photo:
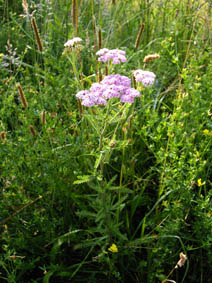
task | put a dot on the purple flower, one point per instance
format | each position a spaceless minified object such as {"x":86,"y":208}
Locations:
{"x":81,"y":94}
{"x":117,"y":80}
{"x":111,"y":86}
{"x":127,"y":98}
{"x":88,"y":102}
{"x":147,"y":78}
{"x":116,"y":55}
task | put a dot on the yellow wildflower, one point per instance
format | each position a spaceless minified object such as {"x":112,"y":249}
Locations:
{"x":1,"y":55}
{"x":206,"y":132}
{"x":199,"y":182}
{"x":113,"y":248}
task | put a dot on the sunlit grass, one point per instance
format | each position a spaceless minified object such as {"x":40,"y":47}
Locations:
{"x":113,"y":192}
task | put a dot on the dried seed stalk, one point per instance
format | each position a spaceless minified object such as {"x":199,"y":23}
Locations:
{"x":134,"y":82}
{"x":94,"y":33}
{"x":25,"y":6}
{"x":43,"y":117}
{"x":80,"y":107}
{"x":106,"y":71}
{"x":37,"y":35}
{"x":182,"y":260}
{"x":99,"y":76}
{"x":180,"y":263}
{"x":23,"y":99}
{"x":151,"y":57}
{"x":75,"y":16}
{"x":94,"y":39}
{"x":3,"y":135}
{"x":100,"y":38}
{"x":139,"y":36}
{"x":32,"y":130}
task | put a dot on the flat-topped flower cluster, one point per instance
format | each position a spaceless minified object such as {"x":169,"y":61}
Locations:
{"x":73,"y":42}
{"x":111,"y":86}
{"x":147,"y":78}
{"x":116,"y":55}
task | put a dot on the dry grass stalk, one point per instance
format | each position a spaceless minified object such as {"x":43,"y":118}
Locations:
{"x":180,"y":263}
{"x":23,"y":99}
{"x":182,"y":260}
{"x":94,"y":33}
{"x":82,"y":80}
{"x":134,"y":82}
{"x":139,"y":36}
{"x":106,"y":71}
{"x":37,"y":35}
{"x":99,"y":76}
{"x":100,"y":38}
{"x":10,"y":218}
{"x":32,"y":130}
{"x":151,"y":57}
{"x":80,"y":107}
{"x":43,"y":117}
{"x":25,"y":7}
{"x":3,"y":135}
{"x":94,"y":39}
{"x":75,"y":16}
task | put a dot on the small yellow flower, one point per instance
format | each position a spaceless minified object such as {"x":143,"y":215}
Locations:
{"x":12,"y":28}
{"x":209,"y":112}
{"x":113,"y":248}
{"x":1,"y":55}
{"x":199,"y":182}
{"x":206,"y":132}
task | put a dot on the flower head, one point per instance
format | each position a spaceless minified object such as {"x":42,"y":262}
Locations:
{"x":111,"y":86}
{"x":113,"y":248}
{"x":199,"y":182}
{"x":205,"y":132}
{"x":147,"y":78}
{"x":116,"y":55}
{"x":71,"y":44}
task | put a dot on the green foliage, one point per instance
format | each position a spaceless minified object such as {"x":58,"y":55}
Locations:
{"x":135,"y":176}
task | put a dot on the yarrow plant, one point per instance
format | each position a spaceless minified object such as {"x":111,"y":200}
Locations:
{"x":72,"y":44}
{"x":114,"y":85}
{"x":147,"y":78}
{"x":116,"y":55}
{"x":111,"y":86}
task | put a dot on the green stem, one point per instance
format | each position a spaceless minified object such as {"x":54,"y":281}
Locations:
{"x":104,"y":200}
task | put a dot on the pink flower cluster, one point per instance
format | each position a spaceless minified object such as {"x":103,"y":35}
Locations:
{"x":73,"y":42}
{"x":111,"y":86}
{"x":147,"y":78}
{"x":116,"y":55}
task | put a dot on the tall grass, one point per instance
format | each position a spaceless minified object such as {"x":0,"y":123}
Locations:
{"x":110,"y":193}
